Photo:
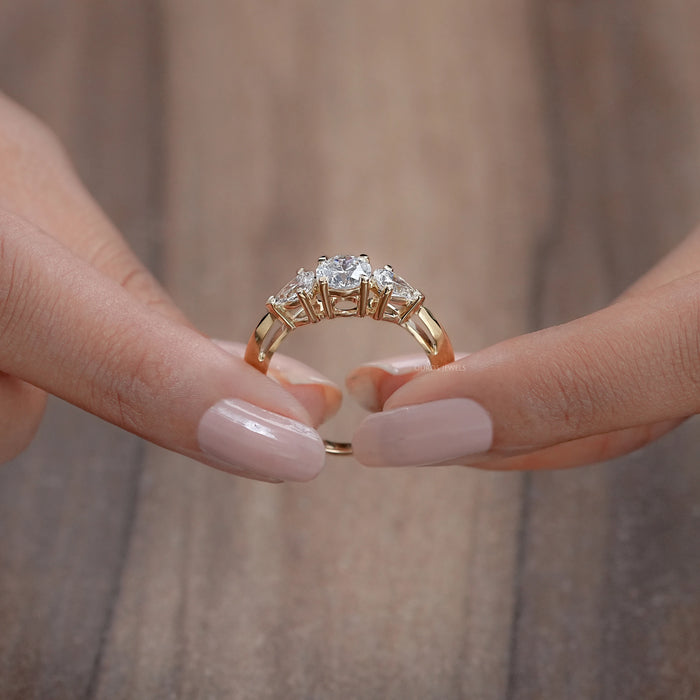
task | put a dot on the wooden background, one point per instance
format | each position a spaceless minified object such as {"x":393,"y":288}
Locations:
{"x":532,"y":156}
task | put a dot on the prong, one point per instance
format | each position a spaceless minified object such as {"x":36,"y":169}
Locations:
{"x":323,"y":258}
{"x":270,"y":306}
{"x":364,"y":296}
{"x":306,"y":302}
{"x":382,"y":303}
{"x":411,"y":308}
{"x":300,"y":270}
{"x":363,"y":255}
{"x":389,"y":267}
{"x":325,"y":298}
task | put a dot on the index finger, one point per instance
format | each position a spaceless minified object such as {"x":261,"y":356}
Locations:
{"x":69,"y":330}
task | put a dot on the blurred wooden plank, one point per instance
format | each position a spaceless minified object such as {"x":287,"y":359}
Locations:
{"x":605,"y":583}
{"x":67,"y":505}
{"x":66,"y":512}
{"x":311,"y":128}
{"x":535,"y":157}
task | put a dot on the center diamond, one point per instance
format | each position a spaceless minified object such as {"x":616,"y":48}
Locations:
{"x":344,"y":272}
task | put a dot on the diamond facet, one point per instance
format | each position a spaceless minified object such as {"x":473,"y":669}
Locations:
{"x":401,"y":289}
{"x":344,"y":271}
{"x":303,"y":281}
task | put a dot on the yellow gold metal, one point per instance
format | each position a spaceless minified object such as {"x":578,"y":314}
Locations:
{"x":338,"y":448}
{"x":382,"y":303}
{"x":326,"y":298}
{"x":411,"y":308}
{"x":307,"y":304}
{"x":280,"y":315}
{"x":431,"y":337}
{"x":257,"y":353}
{"x":364,"y":296}
{"x":281,"y":319}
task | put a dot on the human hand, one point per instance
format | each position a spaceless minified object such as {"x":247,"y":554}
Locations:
{"x":586,"y":391}
{"x":81,"y":318}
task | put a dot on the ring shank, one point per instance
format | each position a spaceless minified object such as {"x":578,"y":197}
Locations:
{"x":422,"y":325}
{"x":338,"y":448}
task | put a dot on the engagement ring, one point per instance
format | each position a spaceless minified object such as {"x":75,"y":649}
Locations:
{"x":346,"y":285}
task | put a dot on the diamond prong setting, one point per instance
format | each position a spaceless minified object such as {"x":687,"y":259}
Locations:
{"x":345,"y":285}
{"x":382,"y":303}
{"x":326,"y":302}
{"x":364,"y":296}
{"x":307,"y":304}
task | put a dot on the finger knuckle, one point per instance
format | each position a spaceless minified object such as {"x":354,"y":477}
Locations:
{"x":566,"y":395}
{"x":127,"y":380}
{"x":114,"y":259}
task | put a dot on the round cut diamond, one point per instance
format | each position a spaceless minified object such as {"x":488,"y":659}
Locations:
{"x":344,"y":271}
{"x":304,"y":281}
{"x":400,"y":289}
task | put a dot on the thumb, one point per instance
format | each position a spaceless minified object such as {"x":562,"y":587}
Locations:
{"x":634,"y":363}
{"x":68,"y":329}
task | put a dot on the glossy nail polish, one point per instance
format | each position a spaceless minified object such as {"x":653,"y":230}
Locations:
{"x":422,"y":434}
{"x":255,"y":440}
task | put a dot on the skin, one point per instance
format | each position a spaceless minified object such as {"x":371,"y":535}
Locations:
{"x":81,"y":318}
{"x":583,"y":392}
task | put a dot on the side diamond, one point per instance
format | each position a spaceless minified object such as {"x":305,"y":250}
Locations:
{"x":303,"y":281}
{"x":385,"y":276}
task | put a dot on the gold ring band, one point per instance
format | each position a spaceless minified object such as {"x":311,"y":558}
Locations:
{"x":346,"y":285}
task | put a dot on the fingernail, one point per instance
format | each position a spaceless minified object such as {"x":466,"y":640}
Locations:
{"x":363,"y":383}
{"x":401,"y":364}
{"x":405,"y":364}
{"x":293,"y":374}
{"x":282,"y":366}
{"x":363,"y":389}
{"x":428,"y":433}
{"x":253,"y":439}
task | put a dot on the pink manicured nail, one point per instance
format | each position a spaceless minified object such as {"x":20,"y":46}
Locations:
{"x":282,"y":366}
{"x":363,"y":389}
{"x":401,"y":364}
{"x":363,"y":383}
{"x":405,"y":364}
{"x":294,"y":372}
{"x":428,"y":433}
{"x":252,"y":439}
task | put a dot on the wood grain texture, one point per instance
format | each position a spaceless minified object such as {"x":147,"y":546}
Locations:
{"x":67,"y":505}
{"x":535,"y":157}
